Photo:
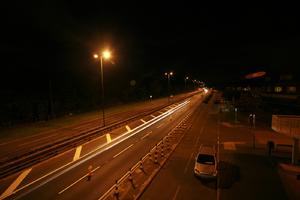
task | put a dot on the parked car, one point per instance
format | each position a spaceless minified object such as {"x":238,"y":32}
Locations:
{"x":206,"y":162}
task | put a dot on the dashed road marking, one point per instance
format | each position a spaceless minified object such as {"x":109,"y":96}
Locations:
{"x":152,"y":116}
{"x":146,"y":135}
{"x":77,"y":181}
{"x":188,"y":163}
{"x":128,"y":128}
{"x":143,"y":121}
{"x":77,"y":153}
{"x":159,"y":125}
{"x":176,"y":193}
{"x":108,"y":138}
{"x":15,"y":184}
{"x":123,"y":151}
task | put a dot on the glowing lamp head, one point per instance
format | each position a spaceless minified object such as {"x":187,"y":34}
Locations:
{"x":96,"y":56}
{"x":106,"y":54}
{"x":171,"y":73}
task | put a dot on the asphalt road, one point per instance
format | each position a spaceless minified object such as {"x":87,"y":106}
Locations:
{"x":243,"y":173}
{"x":110,"y":156}
{"x":12,"y":147}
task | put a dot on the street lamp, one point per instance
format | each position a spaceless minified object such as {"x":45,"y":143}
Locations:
{"x":168,"y":74}
{"x":185,"y":79}
{"x":104,"y":55}
{"x":195,"y":82}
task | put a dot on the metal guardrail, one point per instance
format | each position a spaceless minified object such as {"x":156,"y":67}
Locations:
{"x":287,"y":124}
{"x":40,"y":154}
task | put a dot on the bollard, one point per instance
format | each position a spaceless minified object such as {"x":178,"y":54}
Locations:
{"x":155,"y":158}
{"x":116,"y":192}
{"x":90,"y":173}
{"x":270,"y":147}
{"x":168,"y":143}
{"x":150,"y":156}
{"x":141,"y":167}
{"x":131,"y":180}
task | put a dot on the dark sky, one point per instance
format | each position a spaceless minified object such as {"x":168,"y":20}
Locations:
{"x":211,"y":42}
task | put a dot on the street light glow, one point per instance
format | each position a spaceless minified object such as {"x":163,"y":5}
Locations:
{"x":171,"y":73}
{"x":106,"y":54}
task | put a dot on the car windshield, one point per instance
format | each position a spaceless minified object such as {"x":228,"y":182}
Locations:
{"x":206,"y":159}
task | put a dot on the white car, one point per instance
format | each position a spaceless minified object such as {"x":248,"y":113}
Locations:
{"x":206,"y":162}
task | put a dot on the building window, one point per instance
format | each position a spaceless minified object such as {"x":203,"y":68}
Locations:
{"x":286,"y":77}
{"x":291,"y":89}
{"x":278,"y":89}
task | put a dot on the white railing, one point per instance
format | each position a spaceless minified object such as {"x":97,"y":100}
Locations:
{"x":287,"y":124}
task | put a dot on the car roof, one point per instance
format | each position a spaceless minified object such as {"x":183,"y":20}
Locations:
{"x":207,"y":149}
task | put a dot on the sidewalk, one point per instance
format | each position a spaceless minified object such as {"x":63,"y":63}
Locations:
{"x":281,"y":156}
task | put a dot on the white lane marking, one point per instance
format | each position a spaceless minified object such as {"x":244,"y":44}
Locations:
{"x":128,"y":128}
{"x":108,"y":138}
{"x":152,"y":116}
{"x":160,"y":112}
{"x":146,"y":135}
{"x":123,"y":151}
{"x":153,"y":121}
{"x":188,"y":163}
{"x":176,"y":193}
{"x":94,"y":152}
{"x":77,"y":181}
{"x":143,"y":121}
{"x":229,"y":146}
{"x":77,"y":153}
{"x":159,"y":125}
{"x":15,"y":184}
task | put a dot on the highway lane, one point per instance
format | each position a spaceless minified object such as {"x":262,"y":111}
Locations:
{"x":112,"y":163}
{"x":13,"y":147}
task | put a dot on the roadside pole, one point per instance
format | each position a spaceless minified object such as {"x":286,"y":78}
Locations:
{"x":252,"y":128}
{"x":235,"y":115}
{"x":218,"y":154}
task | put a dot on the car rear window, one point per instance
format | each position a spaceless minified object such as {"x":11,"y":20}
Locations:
{"x":206,"y":159}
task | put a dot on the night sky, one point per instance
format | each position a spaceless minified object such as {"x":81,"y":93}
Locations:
{"x":215,"y":43}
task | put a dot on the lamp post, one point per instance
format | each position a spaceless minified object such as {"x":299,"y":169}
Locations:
{"x":185,"y":79}
{"x":168,"y":74}
{"x":195,"y":82}
{"x":105,"y":55}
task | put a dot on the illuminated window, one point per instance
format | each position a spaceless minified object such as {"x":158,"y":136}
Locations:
{"x":278,"y":89}
{"x":291,"y":89}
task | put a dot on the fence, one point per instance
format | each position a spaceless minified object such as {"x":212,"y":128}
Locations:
{"x":287,"y":124}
